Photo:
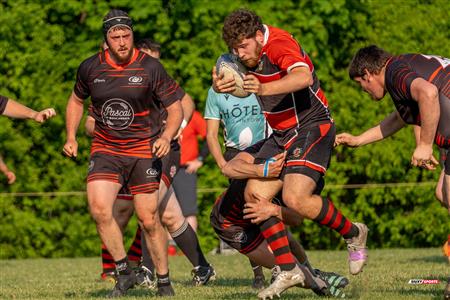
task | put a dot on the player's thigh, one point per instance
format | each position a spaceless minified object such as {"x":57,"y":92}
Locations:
{"x":123,"y":211}
{"x":170,"y":212}
{"x":263,"y":188}
{"x":297,"y":186}
{"x":101,"y":196}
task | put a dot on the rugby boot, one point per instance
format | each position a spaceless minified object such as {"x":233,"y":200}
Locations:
{"x":357,"y":250}
{"x":201,"y":275}
{"x":283,"y":281}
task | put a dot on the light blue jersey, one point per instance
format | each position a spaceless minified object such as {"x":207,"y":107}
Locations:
{"x":242,"y":119}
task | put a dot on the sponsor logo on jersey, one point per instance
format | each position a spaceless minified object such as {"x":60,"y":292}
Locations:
{"x":240,"y":237}
{"x":117,"y":114}
{"x":135,"y":80}
{"x":152,"y":172}
{"x":96,"y":80}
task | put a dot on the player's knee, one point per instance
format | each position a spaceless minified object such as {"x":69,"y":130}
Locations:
{"x":171,"y":221}
{"x":150,"y":222}
{"x":101,"y":214}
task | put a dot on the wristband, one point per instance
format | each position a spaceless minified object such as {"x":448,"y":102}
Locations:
{"x":266,"y":166}
{"x":183,"y":124}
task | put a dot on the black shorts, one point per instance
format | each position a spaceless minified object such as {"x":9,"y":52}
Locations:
{"x":140,"y":175}
{"x":171,"y":164}
{"x":444,"y":160}
{"x":308,"y":152}
{"x":244,"y":237}
{"x":185,"y":187}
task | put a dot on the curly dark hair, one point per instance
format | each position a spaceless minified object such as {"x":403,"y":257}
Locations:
{"x":148,"y":44}
{"x":240,"y":24}
{"x":370,"y":58}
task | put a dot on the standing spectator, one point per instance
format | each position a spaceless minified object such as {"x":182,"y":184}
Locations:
{"x":185,"y":182}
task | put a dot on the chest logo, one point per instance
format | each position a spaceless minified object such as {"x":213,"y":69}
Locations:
{"x":135,"y":80}
{"x":117,"y":114}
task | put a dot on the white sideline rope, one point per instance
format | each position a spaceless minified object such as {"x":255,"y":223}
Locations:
{"x":213,"y":190}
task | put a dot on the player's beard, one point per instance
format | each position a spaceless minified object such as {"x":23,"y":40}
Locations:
{"x":253,"y":61}
{"x":120,"y":57}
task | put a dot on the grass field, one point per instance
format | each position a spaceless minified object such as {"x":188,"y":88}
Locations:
{"x":385,"y":277}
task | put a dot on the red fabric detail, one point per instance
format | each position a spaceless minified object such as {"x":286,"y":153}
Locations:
{"x":330,"y":212}
{"x":337,"y":221}
{"x":279,"y":243}
{"x":347,"y":227}
{"x":195,"y":129}
{"x":282,"y":120}
{"x":283,"y":259}
{"x":306,"y":164}
{"x":273,"y":229}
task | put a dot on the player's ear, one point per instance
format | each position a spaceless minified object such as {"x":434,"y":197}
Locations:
{"x":367,"y":76}
{"x":259,"y":36}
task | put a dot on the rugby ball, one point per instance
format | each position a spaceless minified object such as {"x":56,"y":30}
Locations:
{"x":231,"y":67}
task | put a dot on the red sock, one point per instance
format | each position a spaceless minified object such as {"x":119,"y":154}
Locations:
{"x":135,"y":252}
{"x":108,"y":264}
{"x":331,"y":217}
{"x":275,"y":234}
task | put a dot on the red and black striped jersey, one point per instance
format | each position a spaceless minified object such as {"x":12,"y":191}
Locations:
{"x":127,"y":101}
{"x":230,"y":205}
{"x":401,"y":71}
{"x":3,"y":102}
{"x":280,"y":54}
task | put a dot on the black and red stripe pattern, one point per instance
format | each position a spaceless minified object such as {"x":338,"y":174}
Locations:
{"x":331,"y":217}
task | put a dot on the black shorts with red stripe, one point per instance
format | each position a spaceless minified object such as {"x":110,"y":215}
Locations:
{"x":171,"y":164}
{"x":308,"y":151}
{"x":140,"y":175}
{"x":241,"y":234}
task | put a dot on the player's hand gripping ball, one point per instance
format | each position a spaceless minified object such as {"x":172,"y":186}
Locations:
{"x":231,"y":67}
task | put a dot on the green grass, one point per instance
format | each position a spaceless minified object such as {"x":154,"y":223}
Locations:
{"x":385,"y":277}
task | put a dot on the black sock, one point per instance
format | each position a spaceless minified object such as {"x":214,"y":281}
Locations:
{"x":123,"y":266}
{"x":163,"y":280}
{"x":257,"y":269}
{"x":187,"y":240}
{"x":146,"y":258}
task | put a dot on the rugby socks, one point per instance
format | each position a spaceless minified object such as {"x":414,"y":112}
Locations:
{"x":146,"y":258}
{"x":275,"y":234}
{"x":108,"y":264}
{"x":123,"y":266}
{"x":331,"y":217}
{"x":135,"y":252}
{"x":257,"y":269}
{"x":163,"y":280}
{"x":187,"y":241}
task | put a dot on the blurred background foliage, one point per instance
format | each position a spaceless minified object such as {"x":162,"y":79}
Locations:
{"x":43,"y":42}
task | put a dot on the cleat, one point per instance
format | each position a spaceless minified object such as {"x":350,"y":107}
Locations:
{"x":145,"y":278}
{"x":357,"y":250}
{"x":201,"y":275}
{"x":165,"y":291}
{"x":258,"y":282}
{"x":108,"y":276}
{"x":123,"y":284}
{"x":275,"y":272}
{"x":335,"y":280}
{"x":283,"y":281}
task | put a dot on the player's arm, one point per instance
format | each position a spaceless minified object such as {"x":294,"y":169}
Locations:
{"x":14,"y":109}
{"x":89,"y":126}
{"x":188,"y":106}
{"x":390,"y":125}
{"x":427,"y":97}
{"x":297,"y":79}
{"x":212,"y":138}
{"x":74,"y":113}
{"x":262,"y":210}
{"x":242,"y":166}
{"x":174,"y":118}
{"x":9,"y":174}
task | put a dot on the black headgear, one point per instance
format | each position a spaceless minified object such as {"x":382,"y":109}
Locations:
{"x":114,"y":18}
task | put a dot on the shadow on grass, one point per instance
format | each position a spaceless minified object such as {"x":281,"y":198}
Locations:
{"x":429,"y":259}
{"x":227,"y":282}
{"x":435,"y":293}
{"x":103,"y":293}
